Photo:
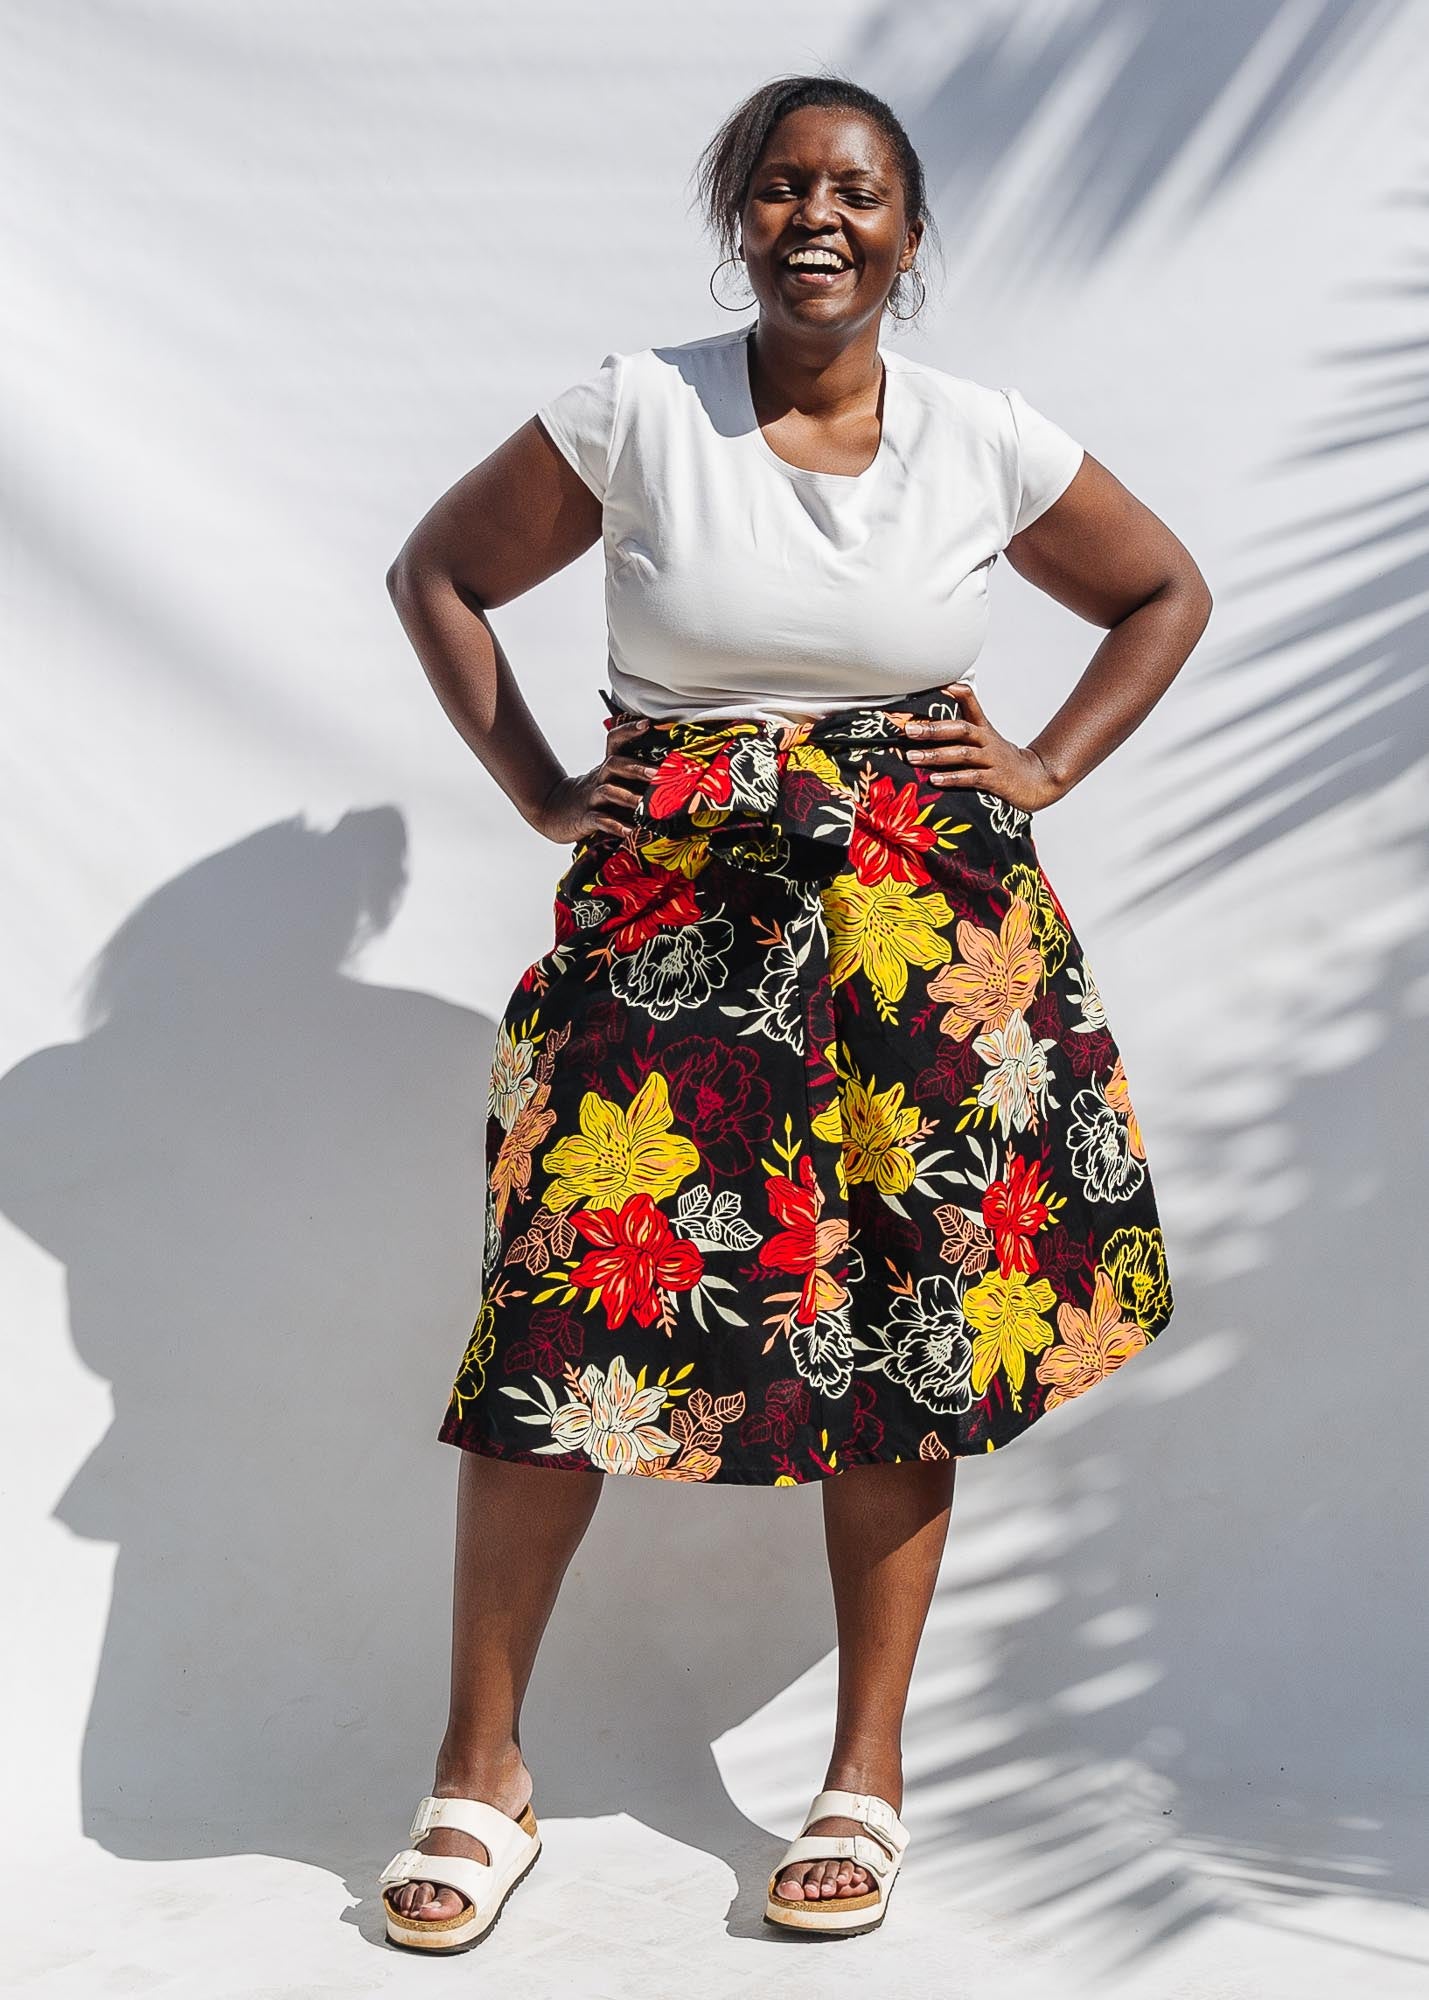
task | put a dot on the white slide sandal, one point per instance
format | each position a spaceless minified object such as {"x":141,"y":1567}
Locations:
{"x":513,"y":1845}
{"x":879,"y":1849}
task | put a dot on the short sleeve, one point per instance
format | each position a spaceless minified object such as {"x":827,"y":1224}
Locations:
{"x":581,"y":421}
{"x":1047,"y":461}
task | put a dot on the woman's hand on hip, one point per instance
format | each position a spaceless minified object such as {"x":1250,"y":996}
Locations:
{"x":576,"y":808}
{"x":969,"y":752}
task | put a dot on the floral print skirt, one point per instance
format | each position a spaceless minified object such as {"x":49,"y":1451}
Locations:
{"x":809,"y":1144}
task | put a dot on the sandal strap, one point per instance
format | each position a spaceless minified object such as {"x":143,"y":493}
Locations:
{"x":469,"y":1877}
{"x":866,"y":1807}
{"x":498,"y":1833}
{"x":839,"y":1847}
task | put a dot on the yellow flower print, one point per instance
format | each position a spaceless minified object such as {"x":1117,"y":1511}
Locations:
{"x":471,"y":1375}
{"x":828,"y":1124}
{"x":809,"y":757}
{"x":1135,"y":1262}
{"x":1093,"y":1343}
{"x":881,"y":928}
{"x":1049,"y":929}
{"x":1007,"y":1313}
{"x":999,"y":976}
{"x":871,"y":1125}
{"x":620,"y":1153}
{"x":682,"y":857}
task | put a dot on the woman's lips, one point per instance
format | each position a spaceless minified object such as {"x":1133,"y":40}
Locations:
{"x":815,"y":277}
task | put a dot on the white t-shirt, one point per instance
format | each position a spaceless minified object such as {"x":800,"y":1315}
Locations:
{"x":739,"y":585}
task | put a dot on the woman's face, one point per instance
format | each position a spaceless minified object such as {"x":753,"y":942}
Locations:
{"x":826,"y":180}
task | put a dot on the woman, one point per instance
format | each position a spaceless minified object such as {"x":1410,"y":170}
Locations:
{"x":810,"y":1150}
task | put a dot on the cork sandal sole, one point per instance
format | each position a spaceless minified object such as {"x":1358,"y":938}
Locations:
{"x":833,"y":1916}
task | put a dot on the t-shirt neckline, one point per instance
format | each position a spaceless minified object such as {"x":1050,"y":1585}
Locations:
{"x":762,"y":444}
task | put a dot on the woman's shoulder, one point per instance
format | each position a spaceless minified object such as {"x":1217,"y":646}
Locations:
{"x":942,"y":392}
{"x":670,"y":362}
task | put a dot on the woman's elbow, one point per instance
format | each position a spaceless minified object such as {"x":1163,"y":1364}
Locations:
{"x":412,"y":573}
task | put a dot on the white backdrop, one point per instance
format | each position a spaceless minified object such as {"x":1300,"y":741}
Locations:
{"x":277,"y":275}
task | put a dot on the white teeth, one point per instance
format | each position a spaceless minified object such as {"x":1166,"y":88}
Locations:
{"x":823,"y":260}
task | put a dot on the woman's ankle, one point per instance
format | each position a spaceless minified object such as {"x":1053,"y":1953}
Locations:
{"x":467,"y":1769}
{"x":870,"y":1768}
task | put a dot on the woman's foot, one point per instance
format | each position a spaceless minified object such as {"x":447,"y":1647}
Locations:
{"x":504,"y":1783}
{"x":821,"y":1881}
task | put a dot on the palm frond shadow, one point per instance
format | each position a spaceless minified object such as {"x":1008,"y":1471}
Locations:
{"x":1293,"y":743}
{"x":1138,"y":84}
{"x":1059,"y":1815}
{"x":1065,"y":1825}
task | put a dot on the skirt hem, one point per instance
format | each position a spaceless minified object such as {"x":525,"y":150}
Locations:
{"x":570,"y":1462}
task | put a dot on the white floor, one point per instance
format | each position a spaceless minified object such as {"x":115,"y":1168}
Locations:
{"x":1104,"y":1894}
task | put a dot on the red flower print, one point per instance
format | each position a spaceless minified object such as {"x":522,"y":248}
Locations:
{"x":648,"y":899}
{"x":682,"y":780}
{"x":719,"y":1098}
{"x":1044,"y":1018}
{"x":786,"y":1410}
{"x":866,"y":1430}
{"x":1088,"y":1055}
{"x":1013,"y":1213}
{"x":556,"y":1339}
{"x":889,"y":835}
{"x":636,"y":1256}
{"x":804,"y":1246}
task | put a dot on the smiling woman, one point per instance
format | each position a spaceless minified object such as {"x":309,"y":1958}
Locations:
{"x":811,"y":1152}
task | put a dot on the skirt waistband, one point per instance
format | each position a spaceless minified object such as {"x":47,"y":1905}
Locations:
{"x":873,"y":722}
{"x":766,"y":794}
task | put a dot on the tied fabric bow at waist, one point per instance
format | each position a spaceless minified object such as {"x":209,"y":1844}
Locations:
{"x":765,"y":794}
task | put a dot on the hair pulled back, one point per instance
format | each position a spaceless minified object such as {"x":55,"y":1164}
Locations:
{"x":726,"y":166}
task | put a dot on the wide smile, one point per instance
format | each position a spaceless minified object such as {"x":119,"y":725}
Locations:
{"x":814,"y":277}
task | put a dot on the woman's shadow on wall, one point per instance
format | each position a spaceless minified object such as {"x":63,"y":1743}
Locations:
{"x":264,"y":1179}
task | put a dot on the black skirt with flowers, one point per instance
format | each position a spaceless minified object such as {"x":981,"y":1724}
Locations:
{"x":809,"y":1144}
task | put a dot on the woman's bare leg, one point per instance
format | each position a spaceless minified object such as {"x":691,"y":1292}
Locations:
{"x":517,"y":1528}
{"x":884,"y":1528}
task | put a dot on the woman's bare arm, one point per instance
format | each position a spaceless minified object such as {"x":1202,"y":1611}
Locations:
{"x":1106,"y":556}
{"x":507,"y":525}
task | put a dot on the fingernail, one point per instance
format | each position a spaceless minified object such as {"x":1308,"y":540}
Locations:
{"x":916,"y":728}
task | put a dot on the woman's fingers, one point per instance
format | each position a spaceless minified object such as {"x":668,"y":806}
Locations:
{"x":618,"y":795}
{"x":948,"y":751}
{"x":626,"y":767}
{"x":621,"y":733}
{"x":954,"y":750}
{"x":955,"y":743}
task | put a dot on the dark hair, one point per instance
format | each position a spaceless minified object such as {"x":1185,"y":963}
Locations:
{"x":727,"y":163}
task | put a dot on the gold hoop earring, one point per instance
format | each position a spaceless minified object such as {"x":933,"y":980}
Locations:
{"x":911,"y":272}
{"x":746,"y":304}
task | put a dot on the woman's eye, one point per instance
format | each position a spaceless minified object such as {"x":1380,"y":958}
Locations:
{"x":859,"y":195}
